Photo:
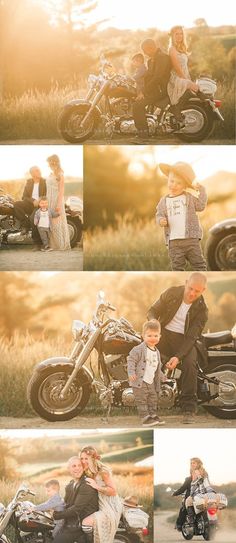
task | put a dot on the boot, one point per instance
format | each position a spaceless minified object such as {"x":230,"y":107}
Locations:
{"x":190,"y":515}
{"x":88,"y":533}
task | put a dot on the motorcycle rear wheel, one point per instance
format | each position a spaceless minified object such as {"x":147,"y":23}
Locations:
{"x":221,"y":251}
{"x":43,"y":395}
{"x":228,"y":409}
{"x":209,"y":533}
{"x":74,"y":232}
{"x":199,"y":125}
{"x":69,"y":124}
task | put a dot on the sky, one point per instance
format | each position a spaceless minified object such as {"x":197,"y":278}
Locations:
{"x":132,"y":15}
{"x":205,"y":159}
{"x":174,"y":448}
{"x":15,"y":160}
{"x":151,"y":14}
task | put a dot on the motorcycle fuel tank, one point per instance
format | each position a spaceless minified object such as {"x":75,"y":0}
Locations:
{"x":119,"y":342}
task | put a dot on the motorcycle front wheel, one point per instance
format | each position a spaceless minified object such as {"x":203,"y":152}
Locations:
{"x":69,"y":124}
{"x":224,"y":407}
{"x":186,"y":534}
{"x":198,"y":124}
{"x":44,"y":394}
{"x":221,"y":251}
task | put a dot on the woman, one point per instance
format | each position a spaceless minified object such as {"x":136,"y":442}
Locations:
{"x":103,"y":523}
{"x":59,"y":234}
{"x":180,"y":79}
{"x":200,"y":489}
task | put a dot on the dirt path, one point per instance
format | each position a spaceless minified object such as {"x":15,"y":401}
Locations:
{"x":23,"y":258}
{"x":122,"y":421}
{"x":116,"y":140}
{"x":164,"y":531}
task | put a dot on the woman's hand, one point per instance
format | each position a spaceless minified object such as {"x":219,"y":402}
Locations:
{"x":194,"y":87}
{"x":91,"y":482}
{"x":58,"y":209}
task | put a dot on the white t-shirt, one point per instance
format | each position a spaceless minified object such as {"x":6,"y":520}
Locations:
{"x":44,"y":219}
{"x":177,"y":324}
{"x":176,"y":213}
{"x":35,"y":193}
{"x":152,"y":363}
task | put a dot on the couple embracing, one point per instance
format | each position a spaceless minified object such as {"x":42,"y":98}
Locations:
{"x":91,"y":510}
{"x":42,"y":207}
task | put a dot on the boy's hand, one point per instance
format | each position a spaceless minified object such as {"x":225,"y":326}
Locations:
{"x":133,"y":377}
{"x":163,"y":221}
{"x":172,"y":363}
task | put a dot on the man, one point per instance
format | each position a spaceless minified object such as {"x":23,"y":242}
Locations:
{"x":155,"y":85}
{"x":81,"y":500}
{"x":24,"y":210}
{"x":183,"y":314}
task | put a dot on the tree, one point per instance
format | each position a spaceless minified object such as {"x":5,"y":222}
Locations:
{"x":7,"y":460}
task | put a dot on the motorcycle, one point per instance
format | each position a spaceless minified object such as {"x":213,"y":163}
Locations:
{"x":11,"y":229}
{"x":28,"y":527}
{"x":80,"y":118}
{"x":60,"y":387}
{"x":221,"y":246}
{"x":31,"y":526}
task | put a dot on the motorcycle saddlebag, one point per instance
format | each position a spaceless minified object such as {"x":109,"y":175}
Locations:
{"x":135,"y":517}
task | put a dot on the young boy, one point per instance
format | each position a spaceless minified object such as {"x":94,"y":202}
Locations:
{"x":140,"y":71}
{"x":177,"y":214}
{"x":54,"y":502}
{"x":42,"y":220}
{"x":145,"y":375}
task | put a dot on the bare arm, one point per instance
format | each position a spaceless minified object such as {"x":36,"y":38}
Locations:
{"x":175,"y":62}
{"x":109,"y":489}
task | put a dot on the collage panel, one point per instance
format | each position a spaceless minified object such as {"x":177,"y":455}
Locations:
{"x":50,"y":478}
{"x":163,"y":208}
{"x":41,"y":207}
{"x":78,"y":343}
{"x":184,"y":460}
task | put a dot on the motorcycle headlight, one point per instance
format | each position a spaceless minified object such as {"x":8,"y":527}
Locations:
{"x":77,"y":329}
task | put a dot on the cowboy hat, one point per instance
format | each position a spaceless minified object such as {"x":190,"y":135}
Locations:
{"x":131,"y":501}
{"x":182,"y":169}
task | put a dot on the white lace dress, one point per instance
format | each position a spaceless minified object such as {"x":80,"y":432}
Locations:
{"x":59,"y":233}
{"x":177,"y":85}
{"x":108,"y":516}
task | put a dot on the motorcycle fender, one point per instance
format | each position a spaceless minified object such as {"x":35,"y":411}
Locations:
{"x":64,"y":362}
{"x":223,"y":225}
{"x":79,"y":102}
{"x":4,"y":539}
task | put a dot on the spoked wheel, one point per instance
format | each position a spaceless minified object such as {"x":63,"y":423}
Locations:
{"x":187,"y":532}
{"x":209,"y":532}
{"x":198,"y":125}
{"x":221,"y":251}
{"x":224,"y":407}
{"x":44,"y":391}
{"x":73,"y":232}
{"x":69,"y":124}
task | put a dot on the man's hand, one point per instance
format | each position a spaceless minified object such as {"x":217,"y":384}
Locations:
{"x":133,"y":377}
{"x":172,"y":363}
{"x":35,"y":203}
{"x":163,"y":221}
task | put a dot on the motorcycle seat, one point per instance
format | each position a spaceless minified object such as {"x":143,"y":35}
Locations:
{"x":217,"y":338}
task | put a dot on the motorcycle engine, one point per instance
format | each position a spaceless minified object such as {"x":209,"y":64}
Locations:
{"x":127,"y":126}
{"x":168,"y":394}
{"x":120,"y":106}
{"x":7,"y":223}
{"x":127,"y":397}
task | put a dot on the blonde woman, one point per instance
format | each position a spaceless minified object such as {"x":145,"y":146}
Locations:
{"x":180,"y":79}
{"x":102,"y":525}
{"x":59,"y":233}
{"x":200,"y":489}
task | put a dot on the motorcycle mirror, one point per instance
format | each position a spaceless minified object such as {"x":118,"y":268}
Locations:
{"x":169,"y":489}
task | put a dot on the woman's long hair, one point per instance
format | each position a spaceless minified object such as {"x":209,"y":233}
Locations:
{"x":55,"y":164}
{"x":181,"y":47}
{"x":200,"y":467}
{"x":94,"y":462}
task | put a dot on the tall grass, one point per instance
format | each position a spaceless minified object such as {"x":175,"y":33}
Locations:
{"x":34,"y":114}
{"x":138,"y":244}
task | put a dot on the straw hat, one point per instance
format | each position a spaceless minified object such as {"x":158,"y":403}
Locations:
{"x":131,"y":501}
{"x":182,"y":169}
